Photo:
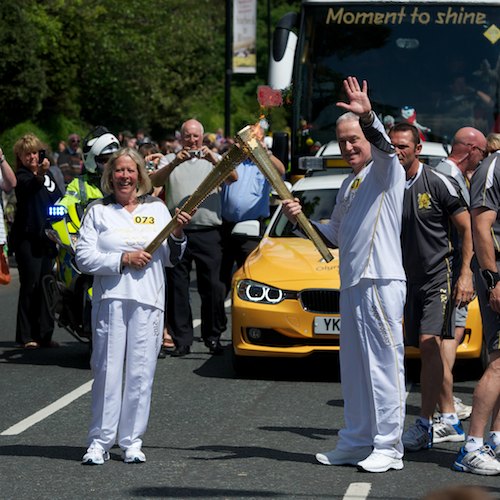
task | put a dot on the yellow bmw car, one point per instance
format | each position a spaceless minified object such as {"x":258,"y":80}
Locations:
{"x":285,"y":299}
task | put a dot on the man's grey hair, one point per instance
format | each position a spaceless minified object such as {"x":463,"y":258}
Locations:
{"x":183,"y":126}
{"x":347,"y":117}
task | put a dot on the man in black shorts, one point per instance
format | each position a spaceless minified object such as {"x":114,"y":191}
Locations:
{"x":468,"y":149}
{"x":475,"y":456}
{"x":431,"y":206}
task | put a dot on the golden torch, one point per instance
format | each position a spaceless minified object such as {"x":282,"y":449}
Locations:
{"x":214,"y":179}
{"x":253,"y":148}
{"x":250,"y":147}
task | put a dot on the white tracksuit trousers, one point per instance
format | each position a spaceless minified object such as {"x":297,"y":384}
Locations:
{"x":126,"y":335}
{"x":372,"y":366}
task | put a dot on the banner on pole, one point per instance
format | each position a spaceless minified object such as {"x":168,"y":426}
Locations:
{"x":244,"y":36}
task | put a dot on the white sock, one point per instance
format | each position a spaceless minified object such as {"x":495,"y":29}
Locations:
{"x":473,"y":443}
{"x":495,"y":437}
{"x":450,"y":418}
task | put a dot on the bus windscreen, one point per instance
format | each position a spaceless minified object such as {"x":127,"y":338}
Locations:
{"x":437,"y":66}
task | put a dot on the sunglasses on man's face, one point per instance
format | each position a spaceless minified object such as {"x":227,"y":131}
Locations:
{"x":481,"y":150}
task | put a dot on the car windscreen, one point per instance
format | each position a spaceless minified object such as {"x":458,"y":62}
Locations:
{"x":317,"y":204}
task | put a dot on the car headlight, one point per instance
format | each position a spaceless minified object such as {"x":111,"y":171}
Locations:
{"x":253,"y":291}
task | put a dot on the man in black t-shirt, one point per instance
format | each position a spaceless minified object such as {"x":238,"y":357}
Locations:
{"x":468,"y":149}
{"x":431,"y":206}
{"x":475,"y":456}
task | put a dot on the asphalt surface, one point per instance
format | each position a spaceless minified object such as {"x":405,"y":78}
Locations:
{"x":211,"y":434}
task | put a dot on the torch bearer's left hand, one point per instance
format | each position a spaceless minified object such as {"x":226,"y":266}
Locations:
{"x":183,"y":218}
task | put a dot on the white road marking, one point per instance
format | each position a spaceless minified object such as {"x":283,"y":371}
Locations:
{"x":64,"y":401}
{"x":357,"y":491}
{"x":48,"y":410}
{"x":408,"y":390}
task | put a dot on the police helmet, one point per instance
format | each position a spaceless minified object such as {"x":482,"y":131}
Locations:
{"x":97,"y":150}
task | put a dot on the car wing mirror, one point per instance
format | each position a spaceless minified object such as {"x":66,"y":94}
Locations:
{"x":247,"y":228}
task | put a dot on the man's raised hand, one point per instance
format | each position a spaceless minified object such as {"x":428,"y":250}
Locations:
{"x":359,"y":103}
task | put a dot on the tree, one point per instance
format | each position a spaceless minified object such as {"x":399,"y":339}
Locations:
{"x":125,"y":64}
{"x":23,"y":85}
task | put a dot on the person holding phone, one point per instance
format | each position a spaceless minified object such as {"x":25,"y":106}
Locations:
{"x":36,"y":190}
{"x":181,"y":174}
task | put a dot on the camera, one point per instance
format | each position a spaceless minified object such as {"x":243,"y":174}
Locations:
{"x":41,"y":156}
{"x":195,"y":153}
{"x":150,"y":166}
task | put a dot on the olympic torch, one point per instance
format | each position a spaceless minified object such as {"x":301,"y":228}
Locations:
{"x":214,"y":179}
{"x":253,"y":148}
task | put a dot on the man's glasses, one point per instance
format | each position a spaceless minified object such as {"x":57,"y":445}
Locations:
{"x":483,"y":151}
{"x":473,"y":146}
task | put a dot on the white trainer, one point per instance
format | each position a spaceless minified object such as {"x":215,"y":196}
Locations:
{"x":343,"y":457}
{"x":443,"y":431}
{"x":495,"y":448}
{"x":134,"y":456}
{"x":482,"y":461}
{"x":378,"y":462}
{"x":95,"y":455}
{"x":462,"y":410}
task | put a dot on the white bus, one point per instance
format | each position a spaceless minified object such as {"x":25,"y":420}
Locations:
{"x":433,"y":63}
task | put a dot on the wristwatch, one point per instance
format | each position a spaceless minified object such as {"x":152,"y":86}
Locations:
{"x":491,"y":278}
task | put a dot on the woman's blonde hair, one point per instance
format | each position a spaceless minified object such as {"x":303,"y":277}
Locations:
{"x":143,"y":182}
{"x":28,"y":143}
{"x":492,"y":142}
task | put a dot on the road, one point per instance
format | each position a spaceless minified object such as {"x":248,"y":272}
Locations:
{"x":211,"y":434}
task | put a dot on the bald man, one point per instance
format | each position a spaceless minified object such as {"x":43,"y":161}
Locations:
{"x":476,"y":456}
{"x":468,"y":149}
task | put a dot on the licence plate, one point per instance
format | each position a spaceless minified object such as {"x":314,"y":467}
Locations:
{"x":326,"y":325}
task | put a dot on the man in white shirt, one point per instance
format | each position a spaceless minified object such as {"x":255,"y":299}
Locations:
{"x":366,"y":226}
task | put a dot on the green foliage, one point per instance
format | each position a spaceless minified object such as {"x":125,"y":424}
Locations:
{"x":125,"y":64}
{"x":22,"y":77}
{"x":9,"y":138}
{"x":59,"y":127}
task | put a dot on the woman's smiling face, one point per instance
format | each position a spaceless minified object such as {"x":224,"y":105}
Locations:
{"x":125,"y":176}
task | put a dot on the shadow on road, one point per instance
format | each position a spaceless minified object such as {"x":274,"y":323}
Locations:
{"x":72,"y":453}
{"x":314,"y":368}
{"x":67,"y":356}
{"x":308,"y":432}
{"x":227,"y":452}
{"x":188,"y":492}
